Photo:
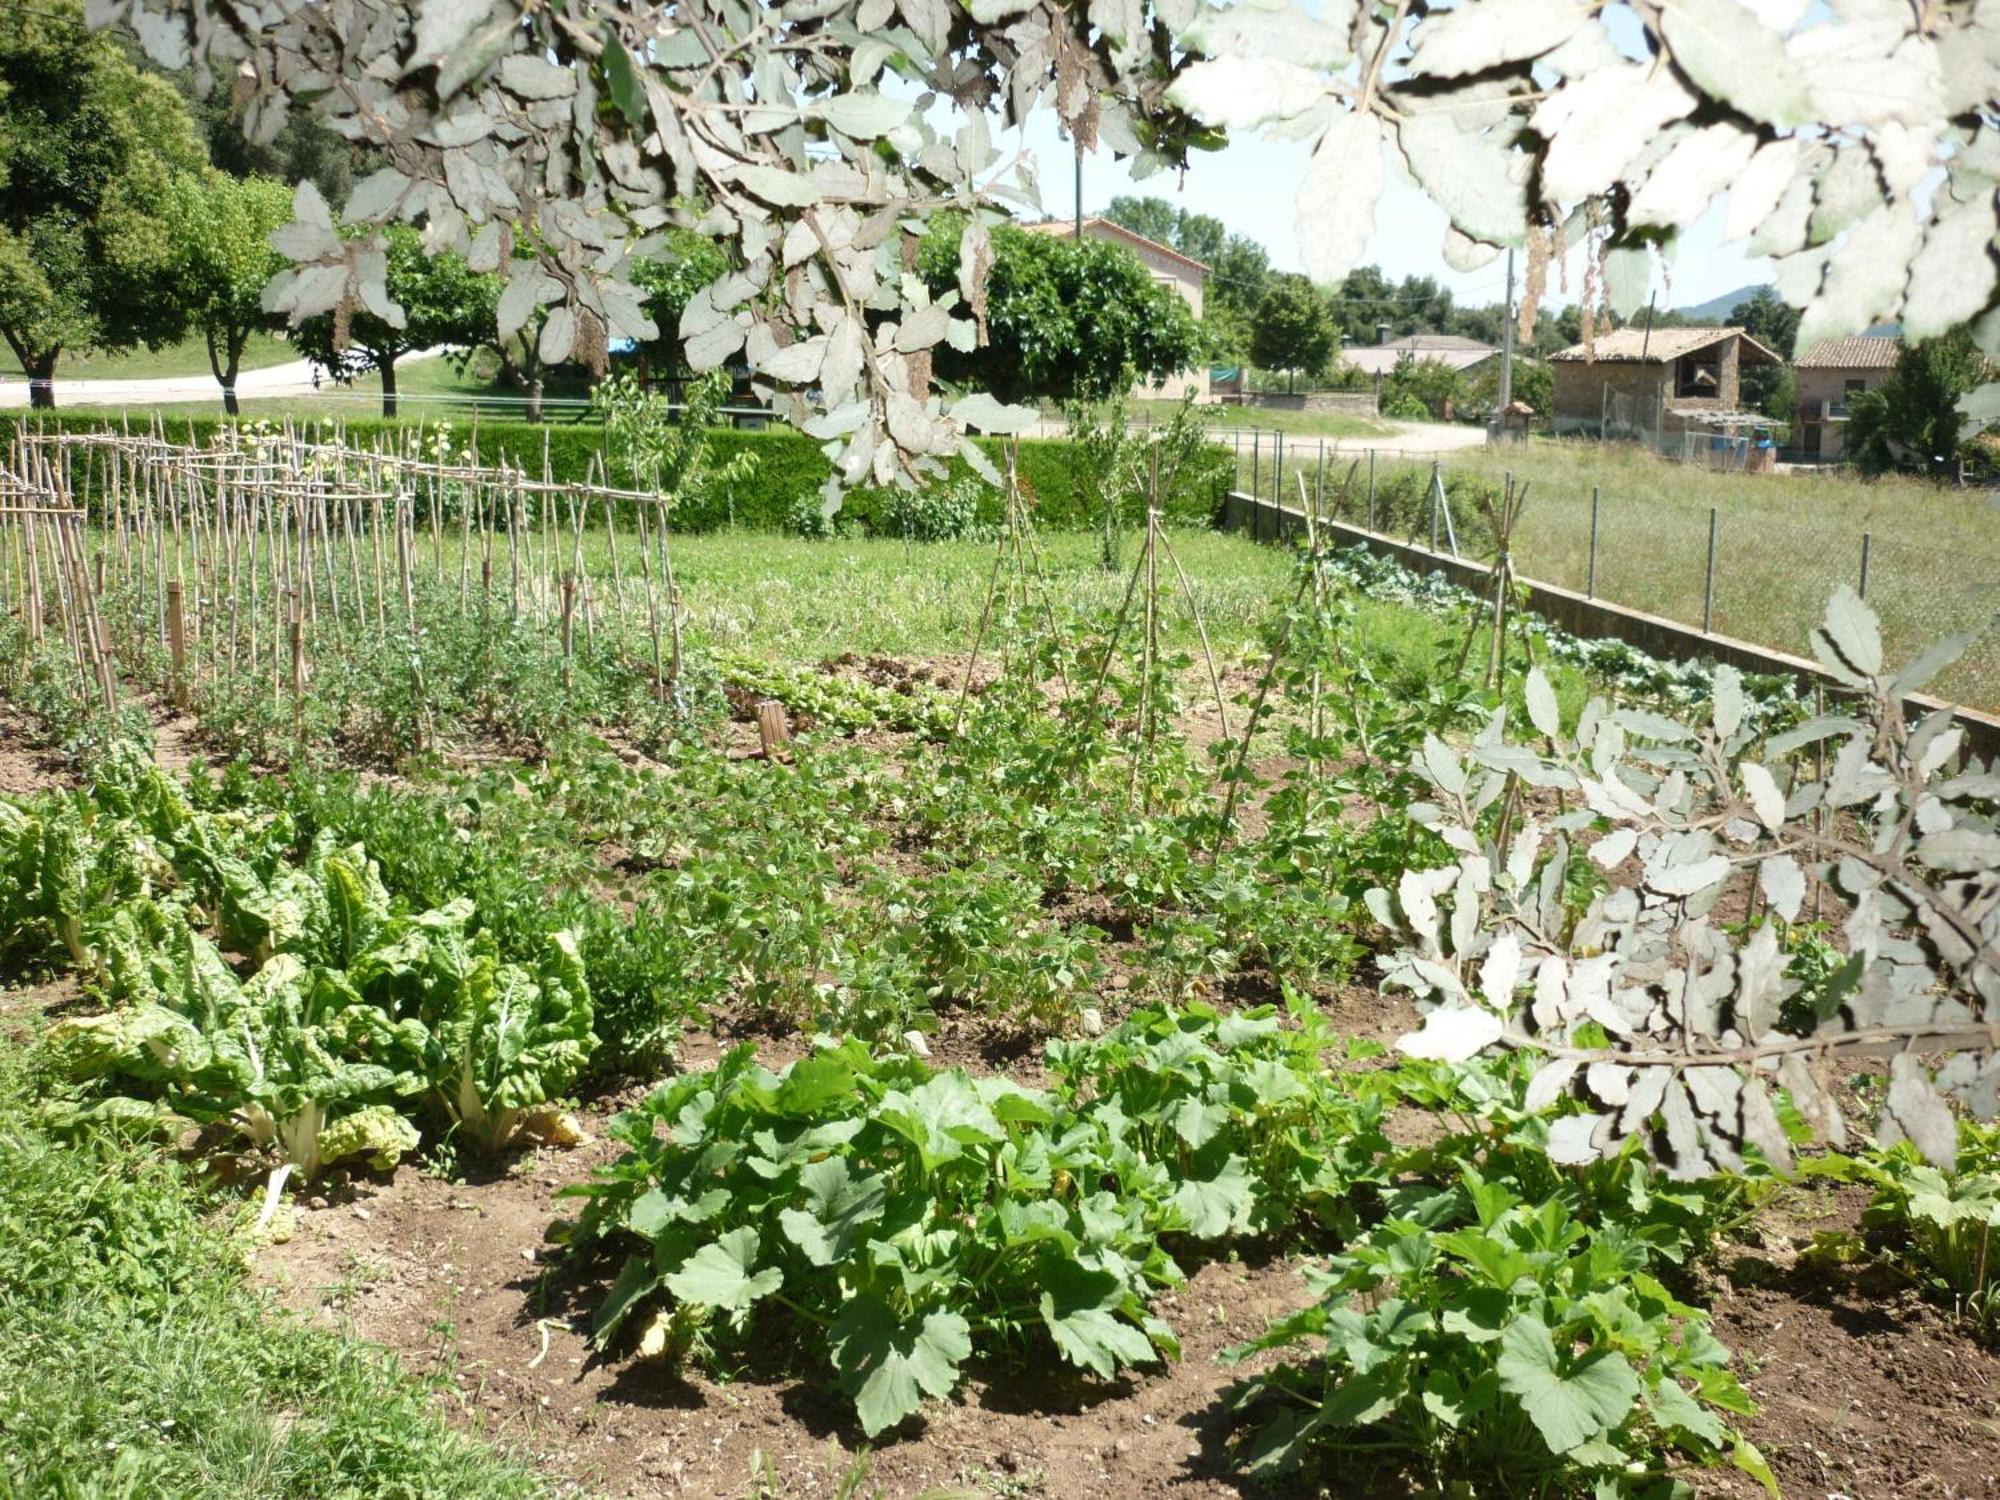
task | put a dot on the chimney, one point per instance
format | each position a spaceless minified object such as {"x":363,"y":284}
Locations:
{"x":1382,"y":333}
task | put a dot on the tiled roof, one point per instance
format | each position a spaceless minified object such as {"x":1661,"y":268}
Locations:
{"x":1116,"y":231}
{"x":1437,"y":341}
{"x":1864,"y":353}
{"x":1380,"y":359}
{"x":1663,"y":346}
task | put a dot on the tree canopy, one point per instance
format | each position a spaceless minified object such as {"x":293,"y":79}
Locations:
{"x":1851,"y":143}
{"x":219,"y":237}
{"x":1064,"y":320}
{"x":1291,"y":329}
{"x":1913,"y":419}
{"x":88,"y":147}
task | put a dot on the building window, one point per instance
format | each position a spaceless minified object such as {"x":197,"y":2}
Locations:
{"x":1695,"y":376}
{"x":1856,"y":384}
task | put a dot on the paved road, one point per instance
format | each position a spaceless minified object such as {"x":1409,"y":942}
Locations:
{"x":1404,"y":437}
{"x":289,"y":380}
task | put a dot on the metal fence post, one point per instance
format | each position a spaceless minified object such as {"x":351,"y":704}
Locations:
{"x":1371,"y":489}
{"x":1866,"y":540}
{"x":1256,"y":444}
{"x":1435,"y":491}
{"x":1708,"y":592}
{"x":1319,"y":484}
{"x":1590,"y":578}
{"x":1278,"y":472}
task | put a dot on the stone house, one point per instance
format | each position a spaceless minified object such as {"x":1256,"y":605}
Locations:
{"x":1656,"y":383}
{"x":1830,"y":374}
{"x":1167,"y":266}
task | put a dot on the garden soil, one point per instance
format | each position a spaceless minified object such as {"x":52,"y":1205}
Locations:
{"x":1866,"y":1391}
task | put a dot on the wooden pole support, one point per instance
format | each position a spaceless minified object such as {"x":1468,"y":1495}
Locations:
{"x":774,"y":730}
{"x":177,"y":644}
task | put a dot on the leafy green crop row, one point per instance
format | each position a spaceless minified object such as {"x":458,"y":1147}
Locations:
{"x":353,"y":1015}
{"x":1491,"y":1313}
{"x":920,"y":1217}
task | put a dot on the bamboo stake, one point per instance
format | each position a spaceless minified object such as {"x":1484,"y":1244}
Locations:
{"x":652,"y":604}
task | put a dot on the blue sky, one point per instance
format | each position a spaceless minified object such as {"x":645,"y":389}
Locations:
{"x":1252,"y":186}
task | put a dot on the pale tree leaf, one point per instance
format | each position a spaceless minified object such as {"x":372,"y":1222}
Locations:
{"x":1678,"y":190}
{"x":1614,"y":848}
{"x":1452,"y":1033}
{"x":796,"y":364}
{"x":1500,"y":970}
{"x":528,"y":76}
{"x":1735,"y":58}
{"x":1337,"y":196}
{"x":776,"y":185}
{"x":1543,"y":709}
{"x":1274,"y":28}
{"x":1765,"y":798}
{"x":376,"y":196}
{"x":1919,"y":1114}
{"x":1571,"y":1139}
{"x":1851,"y":635}
{"x":1726,"y":698}
{"x":988,"y":415}
{"x":1783,"y":884}
{"x":1867,"y":69}
{"x":1550,"y":1083}
{"x":1865,"y":275}
{"x":1628,"y":273}
{"x":1237,"y":93}
{"x":1755,"y":193}
{"x":1470,"y":38}
{"x":863,"y":115}
{"x":1598,"y":124}
{"x":709,"y":348}
{"x":1952,"y":278}
{"x":1476,"y":181}
{"x":1463,"y":253}
{"x":558,"y":336}
{"x":1687,"y":879}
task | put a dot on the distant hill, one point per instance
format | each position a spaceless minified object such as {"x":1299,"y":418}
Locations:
{"x":1717,"y":309}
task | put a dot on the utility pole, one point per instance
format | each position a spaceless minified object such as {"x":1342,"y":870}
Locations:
{"x":1079,"y":191}
{"x":1507,"y":344}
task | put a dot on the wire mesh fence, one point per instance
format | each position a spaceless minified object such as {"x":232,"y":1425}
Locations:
{"x":1752,"y":556}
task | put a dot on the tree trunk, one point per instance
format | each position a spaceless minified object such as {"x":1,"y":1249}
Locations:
{"x":388,"y":368}
{"x":225,"y":370}
{"x":535,"y":399}
{"x":41,"y":380}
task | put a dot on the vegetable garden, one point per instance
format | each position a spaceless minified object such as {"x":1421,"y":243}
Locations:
{"x":1150,"y":1039}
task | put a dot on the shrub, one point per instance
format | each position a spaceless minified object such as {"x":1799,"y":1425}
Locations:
{"x":788,"y":466}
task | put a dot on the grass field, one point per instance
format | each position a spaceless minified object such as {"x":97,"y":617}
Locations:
{"x":1783,"y":542}
{"x":188,"y":357}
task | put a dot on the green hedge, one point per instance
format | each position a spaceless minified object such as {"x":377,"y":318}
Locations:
{"x":789,"y":466}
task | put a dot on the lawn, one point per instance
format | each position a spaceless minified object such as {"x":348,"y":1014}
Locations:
{"x":188,"y":357}
{"x":424,"y":387}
